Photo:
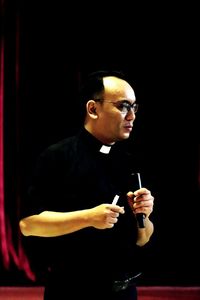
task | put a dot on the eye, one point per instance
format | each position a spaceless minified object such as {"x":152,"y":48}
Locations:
{"x":124,"y":106}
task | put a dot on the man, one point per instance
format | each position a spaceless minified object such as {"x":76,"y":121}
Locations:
{"x":93,"y":245}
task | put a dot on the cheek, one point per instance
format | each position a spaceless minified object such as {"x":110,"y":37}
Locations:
{"x":116,"y":117}
{"x":112,"y":120}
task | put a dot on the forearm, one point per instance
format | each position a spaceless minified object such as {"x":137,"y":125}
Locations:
{"x":50,"y":224}
{"x":145,"y":233}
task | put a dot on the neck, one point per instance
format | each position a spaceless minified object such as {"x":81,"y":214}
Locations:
{"x":99,"y":136}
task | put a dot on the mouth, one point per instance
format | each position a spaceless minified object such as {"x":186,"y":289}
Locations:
{"x":128,"y":128}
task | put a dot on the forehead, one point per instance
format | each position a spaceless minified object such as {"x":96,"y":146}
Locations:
{"x":116,"y":87}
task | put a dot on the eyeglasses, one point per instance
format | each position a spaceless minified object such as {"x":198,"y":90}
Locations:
{"x":124,"y":106}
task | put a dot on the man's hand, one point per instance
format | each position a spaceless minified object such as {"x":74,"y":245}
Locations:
{"x":141,"y":201}
{"x":105,"y":215}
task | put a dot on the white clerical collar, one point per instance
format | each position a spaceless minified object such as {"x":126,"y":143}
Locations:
{"x":105,"y":149}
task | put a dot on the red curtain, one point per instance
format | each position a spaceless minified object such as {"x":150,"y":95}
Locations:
{"x":11,"y":247}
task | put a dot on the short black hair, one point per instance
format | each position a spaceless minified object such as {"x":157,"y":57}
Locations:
{"x":93,"y":86}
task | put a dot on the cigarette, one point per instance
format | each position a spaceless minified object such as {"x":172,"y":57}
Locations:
{"x":115,"y":199}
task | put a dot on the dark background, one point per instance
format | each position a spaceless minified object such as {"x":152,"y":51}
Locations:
{"x":157,"y":48}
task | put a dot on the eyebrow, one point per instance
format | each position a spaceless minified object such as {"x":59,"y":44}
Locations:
{"x":125,"y":101}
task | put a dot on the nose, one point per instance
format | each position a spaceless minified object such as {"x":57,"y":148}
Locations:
{"x":130,"y":114}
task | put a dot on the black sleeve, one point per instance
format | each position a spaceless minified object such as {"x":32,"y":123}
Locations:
{"x":42,"y":191}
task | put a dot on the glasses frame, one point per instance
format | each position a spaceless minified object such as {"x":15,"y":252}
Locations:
{"x":126,"y":105}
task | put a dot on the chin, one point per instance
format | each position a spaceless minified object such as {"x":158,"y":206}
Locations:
{"x":124,"y":137}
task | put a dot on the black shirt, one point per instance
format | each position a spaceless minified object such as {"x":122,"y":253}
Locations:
{"x":74,"y":175}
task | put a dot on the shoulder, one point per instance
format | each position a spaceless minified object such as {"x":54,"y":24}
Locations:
{"x":65,"y":145}
{"x":59,"y":152}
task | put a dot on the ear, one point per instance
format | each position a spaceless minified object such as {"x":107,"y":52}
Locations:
{"x":91,"y":109}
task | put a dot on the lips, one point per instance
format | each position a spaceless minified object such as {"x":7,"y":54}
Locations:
{"x":128,"y":128}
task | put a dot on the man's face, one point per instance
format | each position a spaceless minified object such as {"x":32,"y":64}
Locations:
{"x":115,"y":116}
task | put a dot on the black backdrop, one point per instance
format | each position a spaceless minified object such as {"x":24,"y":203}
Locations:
{"x":59,"y":46}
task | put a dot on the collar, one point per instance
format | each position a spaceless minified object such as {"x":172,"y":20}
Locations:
{"x":105,"y":149}
{"x":94,"y":143}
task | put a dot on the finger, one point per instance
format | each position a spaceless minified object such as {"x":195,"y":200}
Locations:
{"x":142,"y":191}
